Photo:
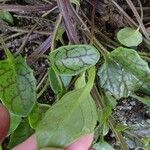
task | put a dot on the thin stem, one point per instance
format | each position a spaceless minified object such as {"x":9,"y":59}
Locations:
{"x":57,"y":24}
{"x":43,"y":89}
{"x":138,"y":18}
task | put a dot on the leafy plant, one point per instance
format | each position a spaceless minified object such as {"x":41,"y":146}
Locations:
{"x":72,"y":77}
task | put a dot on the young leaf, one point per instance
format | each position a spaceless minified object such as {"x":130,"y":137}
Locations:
{"x":55,"y":82}
{"x":14,"y":123}
{"x":124,"y":72}
{"x":73,"y":59}
{"x":103,"y":146}
{"x":20,"y":134}
{"x":37,"y":114}
{"x":80,"y":82}
{"x":129,"y":37}
{"x":6,"y":16}
{"x":17,"y":85}
{"x":72,"y":116}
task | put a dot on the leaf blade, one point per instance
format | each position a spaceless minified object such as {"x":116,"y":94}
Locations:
{"x":73,"y":59}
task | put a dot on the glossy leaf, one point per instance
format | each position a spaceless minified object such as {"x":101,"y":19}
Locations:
{"x":22,"y":132}
{"x":72,"y":116}
{"x":124,"y":72}
{"x":103,"y":146}
{"x":14,"y":123}
{"x":73,"y":59}
{"x":6,"y":16}
{"x":37,"y":114}
{"x":129,"y":37}
{"x":17,"y":85}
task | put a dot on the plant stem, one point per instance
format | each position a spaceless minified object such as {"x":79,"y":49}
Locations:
{"x":100,"y":102}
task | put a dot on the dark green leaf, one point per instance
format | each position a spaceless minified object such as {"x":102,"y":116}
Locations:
{"x":129,"y":37}
{"x":14,"y":122}
{"x":17,"y":85}
{"x":73,"y":59}
{"x":20,"y":134}
{"x":72,"y":116}
{"x":37,"y":114}
{"x":124,"y":72}
{"x":6,"y":16}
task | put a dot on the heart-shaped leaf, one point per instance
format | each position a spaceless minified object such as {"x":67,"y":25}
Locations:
{"x":73,"y":59}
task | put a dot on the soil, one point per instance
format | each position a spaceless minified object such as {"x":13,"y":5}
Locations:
{"x":108,"y":20}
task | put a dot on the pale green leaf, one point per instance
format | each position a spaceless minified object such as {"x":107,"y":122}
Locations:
{"x":80,"y":82}
{"x":73,"y":59}
{"x":77,"y":2}
{"x":124,"y":72}
{"x":72,"y":116}
{"x":17,"y":85}
{"x":66,"y":80}
{"x":103,"y":146}
{"x":37,"y":114}
{"x":6,"y":16}
{"x":129,"y":37}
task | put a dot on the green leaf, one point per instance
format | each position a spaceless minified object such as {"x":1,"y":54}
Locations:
{"x":37,"y":114}
{"x":124,"y":72}
{"x":73,"y":59}
{"x":129,"y":37}
{"x":14,"y":123}
{"x":6,"y":16}
{"x":55,"y":82}
{"x":20,"y":134}
{"x":76,"y":2}
{"x":17,"y":85}
{"x":103,"y":146}
{"x":72,"y":116}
